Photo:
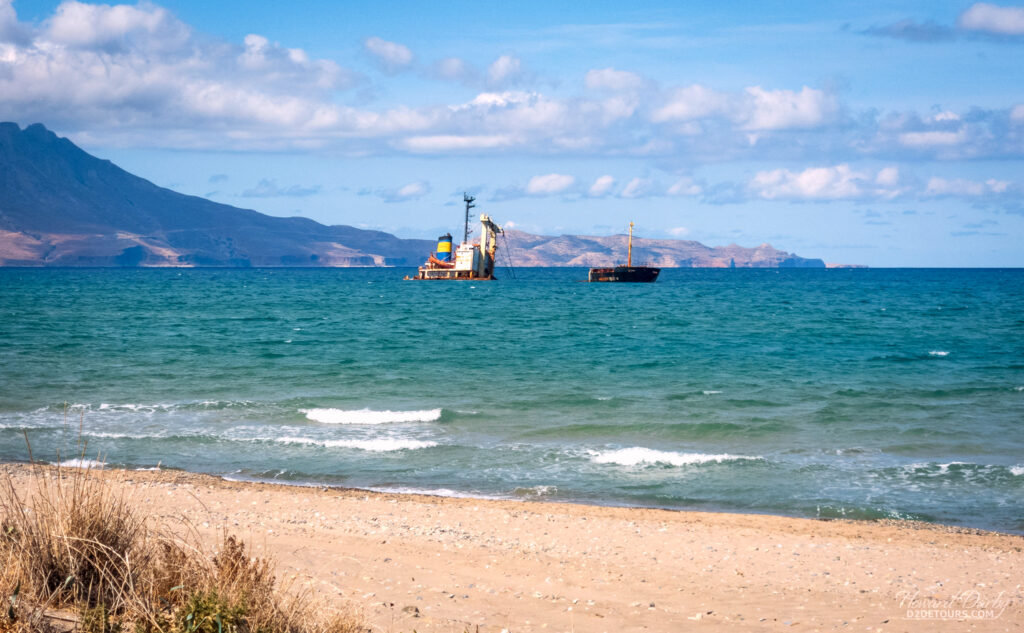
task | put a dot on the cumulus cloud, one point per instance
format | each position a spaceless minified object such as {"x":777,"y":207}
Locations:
{"x":602,"y":186}
{"x":549,"y":184}
{"x":693,"y":102}
{"x":411,"y":191}
{"x":941,"y":187}
{"x":781,"y":109}
{"x":442,"y":143}
{"x":613,"y":80}
{"x":933,"y":138}
{"x":455,"y":69}
{"x":390,"y":56}
{"x":136,"y":75}
{"x":755,"y":109}
{"x":826,"y":183}
{"x":268,"y":188}
{"x":684,"y":187}
{"x":138,"y":69}
{"x":504,"y":71}
{"x":118,"y":27}
{"x":993,"y":19}
{"x":638,"y":188}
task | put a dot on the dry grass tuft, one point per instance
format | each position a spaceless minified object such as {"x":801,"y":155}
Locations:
{"x":74,"y":542}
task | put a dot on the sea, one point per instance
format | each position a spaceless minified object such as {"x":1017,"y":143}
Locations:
{"x":839,"y":393}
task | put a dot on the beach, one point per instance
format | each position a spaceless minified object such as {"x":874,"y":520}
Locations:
{"x":428,"y":563}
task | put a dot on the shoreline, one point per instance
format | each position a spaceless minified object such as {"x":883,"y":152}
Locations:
{"x":534,"y":499}
{"x":433,"y":563}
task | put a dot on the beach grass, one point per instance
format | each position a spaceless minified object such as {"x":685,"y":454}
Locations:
{"x":77,"y":554}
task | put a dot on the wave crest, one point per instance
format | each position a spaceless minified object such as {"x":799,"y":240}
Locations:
{"x":639,"y":455}
{"x":369,"y":416}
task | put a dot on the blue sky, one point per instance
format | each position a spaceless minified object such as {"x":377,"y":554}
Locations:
{"x":888,"y":134}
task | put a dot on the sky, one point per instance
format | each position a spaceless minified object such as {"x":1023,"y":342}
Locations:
{"x":877,"y":133}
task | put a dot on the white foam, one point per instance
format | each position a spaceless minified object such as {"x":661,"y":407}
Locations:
{"x":938,"y":352}
{"x":436,"y":492}
{"x":377,"y":445}
{"x":1017,"y":470}
{"x":1021,"y":388}
{"x":81,"y":463}
{"x":369,"y":416}
{"x":710,"y":392}
{"x":639,"y":455}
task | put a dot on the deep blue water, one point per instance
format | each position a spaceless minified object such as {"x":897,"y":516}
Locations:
{"x":820,"y":393}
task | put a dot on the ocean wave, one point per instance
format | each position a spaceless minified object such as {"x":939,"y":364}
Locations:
{"x":710,"y":392}
{"x":80,"y":463}
{"x":369,"y":416}
{"x":638,"y":455}
{"x":938,"y":352}
{"x":535,"y":491}
{"x":376,"y":445}
{"x":1017,"y":470}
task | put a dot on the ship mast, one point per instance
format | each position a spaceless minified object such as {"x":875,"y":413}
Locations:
{"x":629,"y":256}
{"x":468,"y":199}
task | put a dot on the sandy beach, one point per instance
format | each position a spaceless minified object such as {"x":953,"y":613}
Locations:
{"x":452,"y":564}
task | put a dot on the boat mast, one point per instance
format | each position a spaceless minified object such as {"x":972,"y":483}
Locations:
{"x":629,"y":256}
{"x":468,"y":199}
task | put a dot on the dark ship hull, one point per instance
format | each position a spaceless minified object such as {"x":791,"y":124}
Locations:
{"x":639,"y":274}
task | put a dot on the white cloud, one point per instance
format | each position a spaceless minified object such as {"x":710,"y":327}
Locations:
{"x":549,"y":184}
{"x":638,"y":188}
{"x":994,"y":19}
{"x":782,"y":109}
{"x":455,"y":69}
{"x":943,"y":116}
{"x":679,"y":231}
{"x":888,"y":176}
{"x":601,"y":186}
{"x":692,"y":102}
{"x":1017,"y":114}
{"x":821,"y":183}
{"x":504,"y":70}
{"x":268,"y":188}
{"x":613,"y":80}
{"x":961,"y":187}
{"x":755,"y":109}
{"x":933,"y":138}
{"x":107,"y":27}
{"x":391,"y":56}
{"x":456,"y":143}
{"x":411,"y":191}
{"x":684,"y":187}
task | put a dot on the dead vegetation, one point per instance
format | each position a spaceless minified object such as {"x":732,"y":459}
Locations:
{"x":77,"y":556}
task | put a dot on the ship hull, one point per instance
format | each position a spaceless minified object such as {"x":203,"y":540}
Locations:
{"x":437,"y":274}
{"x":629,"y":274}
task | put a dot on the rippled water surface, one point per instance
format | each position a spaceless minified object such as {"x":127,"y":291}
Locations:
{"x":856,"y":393}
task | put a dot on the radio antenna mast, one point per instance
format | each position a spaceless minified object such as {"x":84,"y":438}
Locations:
{"x":468,"y":199}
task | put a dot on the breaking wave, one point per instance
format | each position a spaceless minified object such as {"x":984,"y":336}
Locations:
{"x":377,"y":445}
{"x":638,"y":455}
{"x":369,"y":416}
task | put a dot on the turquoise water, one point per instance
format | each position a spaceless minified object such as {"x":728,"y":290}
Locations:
{"x":819,"y":393}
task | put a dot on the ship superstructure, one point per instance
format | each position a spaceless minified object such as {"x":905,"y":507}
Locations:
{"x":472,"y":260}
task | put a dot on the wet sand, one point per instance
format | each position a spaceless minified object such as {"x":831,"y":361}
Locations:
{"x":446,"y":564}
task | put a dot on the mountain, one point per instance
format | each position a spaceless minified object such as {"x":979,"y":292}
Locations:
{"x":60,"y":206}
{"x":580,"y":250}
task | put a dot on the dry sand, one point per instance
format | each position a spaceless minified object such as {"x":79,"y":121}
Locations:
{"x":441,"y":564}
